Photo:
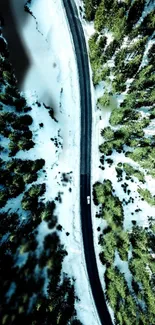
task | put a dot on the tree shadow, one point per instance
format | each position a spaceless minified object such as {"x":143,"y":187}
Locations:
{"x":18,"y":54}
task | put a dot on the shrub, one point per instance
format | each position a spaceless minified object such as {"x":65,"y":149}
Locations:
{"x":89,"y":9}
{"x":107,"y":133}
{"x":25,"y":144}
{"x":3,"y":198}
{"x":108,"y":243}
{"x":144,"y":155}
{"x":48,"y":213}
{"x":6,"y":99}
{"x":118,"y":84}
{"x":13,"y":148}
{"x":29,"y":178}
{"x":106,"y":148}
{"x":98,"y":193}
{"x":38,"y":164}
{"x":116,"y":116}
{"x":30,"y":198}
{"x":104,"y":100}
{"x":132,"y":66}
{"x":148,"y":197}
{"x":105,"y":72}
{"x":16,"y":187}
{"x":116,"y":287}
{"x":131,"y":171}
{"x":123,"y":244}
{"x":110,"y":50}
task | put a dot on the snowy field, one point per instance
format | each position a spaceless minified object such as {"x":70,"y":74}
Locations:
{"x":52,"y":80}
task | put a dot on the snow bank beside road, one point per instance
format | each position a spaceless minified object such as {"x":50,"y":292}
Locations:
{"x":52,"y":79}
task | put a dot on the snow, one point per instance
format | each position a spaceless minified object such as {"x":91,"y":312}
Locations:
{"x":52,"y":79}
{"x":11,"y":291}
{"x":147,"y":48}
{"x":14,"y":205}
{"x":124,"y":268}
{"x":21,"y":259}
{"x":4,"y":142}
{"x":150,"y":129}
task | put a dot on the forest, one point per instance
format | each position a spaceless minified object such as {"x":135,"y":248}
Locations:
{"x":34,"y":290}
{"x":122,"y":60}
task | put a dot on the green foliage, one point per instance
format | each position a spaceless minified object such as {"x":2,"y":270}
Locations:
{"x":116,"y":287}
{"x":119,"y":27}
{"x":8,"y":77}
{"x":131,"y":171}
{"x":90,"y":8}
{"x":100,"y":191}
{"x":112,"y":212}
{"x":105,"y":72}
{"x":117,"y":291}
{"x":114,"y":239}
{"x":148,"y":197}
{"x":118,"y":84}
{"x":121,"y":20}
{"x":132,"y":66}
{"x":125,"y":134}
{"x":107,"y":133}
{"x":110,"y":50}
{"x":110,"y":15}
{"x":123,"y":244}
{"x":48,"y":213}
{"x":144,"y":79}
{"x":117,"y":116}
{"x":100,"y":15}
{"x":127,"y":59}
{"x":145,"y":156}
{"x":30,"y":198}
{"x":6,"y":99}
{"x":106,"y":148}
{"x":95,"y":57}
{"x":104,"y":100}
{"x":108,"y":244}
{"x":25,"y":144}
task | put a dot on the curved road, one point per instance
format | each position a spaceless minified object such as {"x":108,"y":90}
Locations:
{"x":85,"y":159}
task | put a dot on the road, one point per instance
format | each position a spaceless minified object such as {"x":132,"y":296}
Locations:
{"x":85,"y":159}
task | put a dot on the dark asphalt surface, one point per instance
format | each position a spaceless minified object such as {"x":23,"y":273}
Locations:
{"x":85,"y":159}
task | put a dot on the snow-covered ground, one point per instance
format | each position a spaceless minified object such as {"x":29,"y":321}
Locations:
{"x":52,"y":80}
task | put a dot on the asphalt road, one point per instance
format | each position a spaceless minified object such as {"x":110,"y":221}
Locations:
{"x":85,"y":159}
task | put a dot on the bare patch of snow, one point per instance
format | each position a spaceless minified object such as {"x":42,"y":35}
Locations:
{"x":124,"y":268}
